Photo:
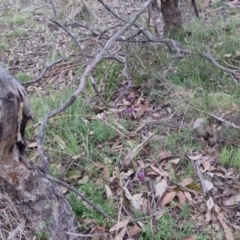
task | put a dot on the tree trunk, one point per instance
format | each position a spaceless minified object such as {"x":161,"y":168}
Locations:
{"x":35,"y":195}
{"x":171,"y":16}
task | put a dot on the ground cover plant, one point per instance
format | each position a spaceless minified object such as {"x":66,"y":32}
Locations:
{"x":153,"y":139}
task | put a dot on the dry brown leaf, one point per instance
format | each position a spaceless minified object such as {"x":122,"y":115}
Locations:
{"x":128,"y":173}
{"x":194,"y":237}
{"x":73,"y":175}
{"x":188,"y":196}
{"x":160,"y":172}
{"x":141,"y":164}
{"x":232,"y":200}
{"x":208,"y":185}
{"x":108,"y":191}
{"x":227,"y":230}
{"x":142,"y":109}
{"x":32,"y":145}
{"x":121,"y":234}
{"x":84,"y":180}
{"x":206,"y":166}
{"x":60,"y":141}
{"x":194,"y":158}
{"x":134,"y":230}
{"x":132,"y":200}
{"x":198,"y":123}
{"x":210,"y":205}
{"x":120,"y":225}
{"x":62,"y":189}
{"x":135,"y":151}
{"x":98,"y":165}
{"x":105,"y":173}
{"x":181,"y":197}
{"x":161,"y":188}
{"x":152,"y":173}
{"x":138,"y":198}
{"x":164,"y":154}
{"x":186,"y":182}
{"x":87,"y":220}
{"x":175,"y":161}
{"x":167,"y":198}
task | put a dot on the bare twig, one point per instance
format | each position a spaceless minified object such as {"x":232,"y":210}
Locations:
{"x":74,"y":39}
{"x":81,"y":86}
{"x":53,"y":7}
{"x":40,"y":77}
{"x":109,"y":9}
{"x":216,"y":64}
{"x":84,"y":58}
{"x":80,"y":195}
{"x":195,"y":8}
{"x":219,"y":119}
{"x":129,"y":79}
{"x":195,"y":164}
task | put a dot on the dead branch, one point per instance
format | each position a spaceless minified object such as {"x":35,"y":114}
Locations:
{"x":84,"y":59}
{"x":40,"y":77}
{"x":54,"y":8}
{"x":196,"y":167}
{"x":195,"y":8}
{"x":113,"y":13}
{"x":80,"y":195}
{"x":175,"y":47}
{"x":125,"y":74}
{"x":81,"y":86}
{"x":219,"y":119}
{"x":74,"y":39}
{"x":216,"y":64}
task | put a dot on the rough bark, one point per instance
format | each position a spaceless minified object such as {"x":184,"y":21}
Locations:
{"x":41,"y":203}
{"x":171,"y":16}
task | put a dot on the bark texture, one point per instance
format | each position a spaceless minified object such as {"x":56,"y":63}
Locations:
{"x":40,"y":201}
{"x":171,"y":16}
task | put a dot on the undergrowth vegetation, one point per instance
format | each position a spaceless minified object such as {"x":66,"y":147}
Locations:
{"x":88,"y":143}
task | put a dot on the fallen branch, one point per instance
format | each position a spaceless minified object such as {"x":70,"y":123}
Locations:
{"x":80,"y":195}
{"x":219,"y":118}
{"x":195,"y":165}
{"x":216,"y":64}
{"x":113,"y":13}
{"x":81,"y":86}
{"x":40,"y":77}
{"x":84,"y":59}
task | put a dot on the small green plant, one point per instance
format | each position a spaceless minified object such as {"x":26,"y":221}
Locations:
{"x":168,"y":228}
{"x":17,"y":33}
{"x":180,"y":141}
{"x":23,"y":77}
{"x":230,"y":157}
{"x":3,"y":46}
{"x":97,"y":196}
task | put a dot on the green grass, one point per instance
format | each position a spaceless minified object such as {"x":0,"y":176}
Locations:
{"x":181,"y":141}
{"x":3,"y":46}
{"x":23,"y":77}
{"x":18,"y":32}
{"x":75,"y":130}
{"x":230,"y":157}
{"x":167,"y":227}
{"x":98,"y":197}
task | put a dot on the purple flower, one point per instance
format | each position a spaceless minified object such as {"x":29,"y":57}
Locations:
{"x":141,"y":176}
{"x":129,"y":110}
